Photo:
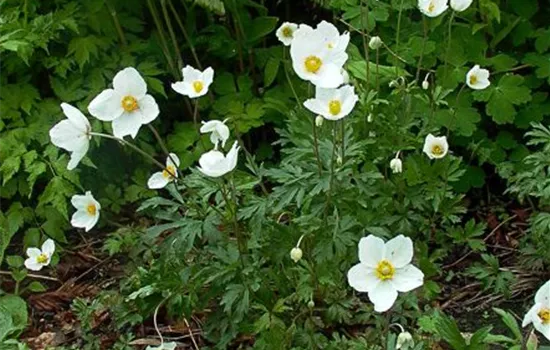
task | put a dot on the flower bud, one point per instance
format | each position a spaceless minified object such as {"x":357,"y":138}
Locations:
{"x":311,"y":304}
{"x":339,"y":160}
{"x":369,"y":118}
{"x":375,"y":42}
{"x":296,"y":254}
{"x":319,"y":121}
{"x":425,"y":85}
{"x":396,"y":165}
{"x":404,"y":341}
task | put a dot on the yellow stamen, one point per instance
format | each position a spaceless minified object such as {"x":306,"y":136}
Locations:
{"x":437,"y":150}
{"x":334,"y":107}
{"x":313,"y":64}
{"x":330,"y":45}
{"x":287,"y":32}
{"x":129,"y":103}
{"x":91,"y":209}
{"x":544,"y":316}
{"x":385,"y":270}
{"x":198,"y":86}
{"x":473,"y":79}
{"x":169,"y":172}
{"x":42,"y":258}
{"x":431,"y":7}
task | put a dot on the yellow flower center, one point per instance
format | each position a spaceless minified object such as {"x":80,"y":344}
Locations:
{"x":42,"y":258}
{"x":129,"y":103}
{"x":473,"y":79}
{"x":437,"y":150}
{"x":544,"y":316}
{"x":334,"y":107}
{"x":313,"y":64}
{"x":385,"y":270}
{"x":287,"y":32}
{"x":91,"y":209}
{"x":197,"y":86}
{"x":431,"y":7}
{"x":169,"y":172}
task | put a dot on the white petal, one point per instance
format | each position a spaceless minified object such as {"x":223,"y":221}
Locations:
{"x":544,"y":329}
{"x":362,"y":278}
{"x":48,"y":247}
{"x":65,"y":135}
{"x":128,"y":82}
{"x":33,"y":265}
{"x":190,"y":74}
{"x":383,"y":296}
{"x":371,"y":250}
{"x":207,"y":78}
{"x":209,"y":126}
{"x":76,"y":117}
{"x":543,"y":294}
{"x":213,"y":164}
{"x":127,"y":124}
{"x":33,"y":252}
{"x":399,"y":251}
{"x":157,"y":181}
{"x":232,"y":157}
{"x":92,"y":222}
{"x":77,"y":156}
{"x":330,"y":76}
{"x":317,"y":106}
{"x":529,"y":315}
{"x":183,"y":88}
{"x":82,"y":219}
{"x":106,"y":106}
{"x":148,"y":108}
{"x":173,"y":160}
{"x":407,"y":278}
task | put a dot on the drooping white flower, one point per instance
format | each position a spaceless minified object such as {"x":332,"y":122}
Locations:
{"x":333,"y":104}
{"x":296,"y":254}
{"x":285,"y":33}
{"x":478,"y":78}
{"x":319,"y":121}
{"x":396,"y":165}
{"x":219,"y":132}
{"x":72,"y":134}
{"x":375,"y":42}
{"x":38,"y":258}
{"x":215,"y":164}
{"x":460,"y":5}
{"x":435,"y":147}
{"x":426,"y":83}
{"x":384,"y":270}
{"x":127,"y":104}
{"x":432,"y":8}
{"x":539,"y":314}
{"x":162,"y":178}
{"x":195,"y":83}
{"x":404,"y":341}
{"x":87,"y":211}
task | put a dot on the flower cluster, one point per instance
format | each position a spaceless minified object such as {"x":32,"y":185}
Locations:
{"x":434,"y":8}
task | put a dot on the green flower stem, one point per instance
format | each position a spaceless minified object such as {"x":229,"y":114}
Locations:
{"x":343,"y":136}
{"x":377,"y":69}
{"x":397,"y":34}
{"x":316,"y":146}
{"x":448,"y":44}
{"x":116,"y":22}
{"x":179,"y":57}
{"x":332,"y":161}
{"x":424,"y":39}
{"x":365,"y":26}
{"x":163,"y":41}
{"x":455,"y":108}
{"x":185,"y":34}
{"x":290,"y":81}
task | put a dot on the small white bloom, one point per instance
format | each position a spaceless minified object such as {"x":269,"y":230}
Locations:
{"x":195,"y":83}
{"x":425,"y":85}
{"x":539,"y":314}
{"x":38,"y":258}
{"x":219,"y":132}
{"x":333,"y":104}
{"x":285,"y":33}
{"x":215,"y":164}
{"x":345,"y":75}
{"x":432,"y":8}
{"x":72,"y":134}
{"x":435,"y":147}
{"x":384,"y":270}
{"x":127,"y":105}
{"x":375,"y":42}
{"x":396,"y":165}
{"x":369,"y":118}
{"x":478,"y":78}
{"x":162,"y":178}
{"x":319,"y":121}
{"x":87,"y":211}
{"x":296,"y":254}
{"x":404,"y":341}
{"x":460,"y":5}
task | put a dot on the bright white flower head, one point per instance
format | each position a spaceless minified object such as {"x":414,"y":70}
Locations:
{"x":375,"y":42}
{"x":539,"y":314}
{"x":87,"y":211}
{"x":285,"y":33}
{"x":460,"y":5}
{"x":215,"y":164}
{"x":195,"y":83}
{"x":318,"y":55}
{"x":296,"y":254}
{"x":38,"y":258}
{"x":219,"y":132}
{"x":72,"y":134}
{"x":478,"y":78}
{"x":432,"y":8}
{"x":162,"y":178}
{"x":333,"y":104}
{"x":435,"y":147}
{"x":404,"y":341}
{"x":385,"y":269}
{"x":426,"y":83}
{"x":127,"y":105}
{"x":396,"y":165}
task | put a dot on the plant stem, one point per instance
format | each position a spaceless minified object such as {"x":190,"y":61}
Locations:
{"x":332,"y":161}
{"x":424,"y":39}
{"x":316,"y":146}
{"x":377,"y":69}
{"x":448,"y":44}
{"x":163,"y":41}
{"x":251,"y":161}
{"x":185,"y":35}
{"x":289,"y":80}
{"x":343,"y":135}
{"x":116,"y":22}
{"x":364,"y":5}
{"x":397,"y":34}
{"x":172,"y":35}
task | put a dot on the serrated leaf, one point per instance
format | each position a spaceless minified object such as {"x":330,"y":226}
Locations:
{"x":82,"y":48}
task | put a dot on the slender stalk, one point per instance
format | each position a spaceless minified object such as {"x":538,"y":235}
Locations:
{"x":25,"y":13}
{"x":425,"y":26}
{"x":172,"y":34}
{"x":365,"y":6}
{"x":116,"y":22}
{"x":316,"y":146}
{"x":455,"y":108}
{"x":397,"y":34}
{"x":343,"y":136}
{"x":448,"y":44}
{"x":331,"y":181}
{"x":377,"y":69}
{"x":163,"y":41}
{"x":251,"y":161}
{"x":290,"y":81}
{"x":185,"y":35}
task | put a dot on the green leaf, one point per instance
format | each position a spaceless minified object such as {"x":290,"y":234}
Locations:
{"x":510,"y":322}
{"x":260,"y":27}
{"x":15,"y":261}
{"x":448,"y":330}
{"x":16,"y":308}
{"x":36,"y":287}
{"x":56,"y":194}
{"x":271,"y":70}
{"x":82,"y":48}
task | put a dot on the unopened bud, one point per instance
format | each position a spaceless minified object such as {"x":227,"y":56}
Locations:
{"x":311,"y":304}
{"x":319,"y":121}
{"x":425,"y":85}
{"x":339,"y":160}
{"x":396,"y":165}
{"x":369,"y":118}
{"x":375,"y":42}
{"x":296,"y":254}
{"x":404,"y":341}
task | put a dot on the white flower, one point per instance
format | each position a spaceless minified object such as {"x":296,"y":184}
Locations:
{"x":333,"y":104}
{"x":432,"y":8}
{"x":38,"y":258}
{"x":539,"y":314}
{"x":219,"y":131}
{"x":425,"y":85}
{"x":195,"y":83}
{"x":318,"y":55}
{"x":319,"y":121}
{"x":345,"y":75}
{"x":163,"y":346}
{"x":215,"y":164}
{"x":285,"y":33}
{"x":404,"y":341}
{"x":384,"y":270}
{"x":435,"y":147}
{"x":162,"y":178}
{"x":369,"y":118}
{"x":127,"y":105}
{"x":296,"y":254}
{"x":87,"y":211}
{"x":72,"y":134}
{"x":396,"y":165}
{"x":460,"y":5}
{"x":478,"y":78}
{"x":375,"y":42}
